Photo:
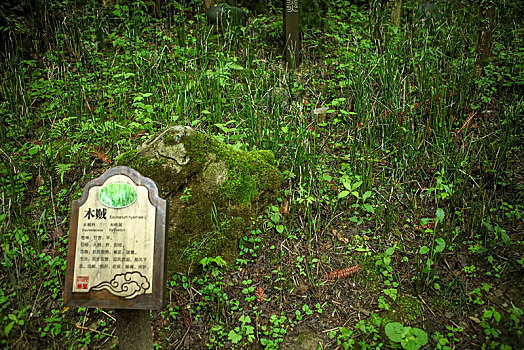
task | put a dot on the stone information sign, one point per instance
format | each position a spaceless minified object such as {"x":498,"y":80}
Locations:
{"x":115,"y":257}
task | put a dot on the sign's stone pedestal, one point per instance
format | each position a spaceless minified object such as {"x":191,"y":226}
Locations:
{"x":213,"y":190}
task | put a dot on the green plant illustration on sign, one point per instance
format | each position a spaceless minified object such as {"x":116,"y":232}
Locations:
{"x":117,"y":195}
{"x":410,"y":338}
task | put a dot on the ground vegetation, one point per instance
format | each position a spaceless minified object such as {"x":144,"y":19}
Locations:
{"x":400,"y":217}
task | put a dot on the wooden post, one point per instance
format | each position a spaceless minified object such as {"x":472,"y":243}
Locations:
{"x":396,"y":13}
{"x":133,"y":329}
{"x":292,"y":33}
{"x":485,"y":35}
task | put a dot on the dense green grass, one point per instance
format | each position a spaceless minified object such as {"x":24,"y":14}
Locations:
{"x":414,"y":171}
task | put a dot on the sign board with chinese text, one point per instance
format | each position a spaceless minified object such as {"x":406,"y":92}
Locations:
{"x":116,"y":255}
{"x":292,"y":33}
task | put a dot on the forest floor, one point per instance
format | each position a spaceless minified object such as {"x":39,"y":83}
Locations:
{"x":399,"y":223}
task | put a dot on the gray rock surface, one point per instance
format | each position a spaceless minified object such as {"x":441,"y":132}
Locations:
{"x":226,"y":16}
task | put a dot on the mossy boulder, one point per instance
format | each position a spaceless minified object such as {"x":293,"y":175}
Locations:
{"x":429,"y":11}
{"x":213,"y":191}
{"x":225,"y":15}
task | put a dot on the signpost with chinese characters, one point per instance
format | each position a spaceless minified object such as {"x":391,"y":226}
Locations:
{"x":115,"y":257}
{"x":292,"y":33}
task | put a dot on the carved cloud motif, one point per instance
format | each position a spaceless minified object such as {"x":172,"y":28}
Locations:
{"x":127,"y":285}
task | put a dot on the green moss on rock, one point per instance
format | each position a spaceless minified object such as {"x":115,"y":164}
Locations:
{"x":227,"y":188}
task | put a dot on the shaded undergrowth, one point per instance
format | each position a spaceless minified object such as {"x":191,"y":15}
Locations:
{"x":397,"y":155}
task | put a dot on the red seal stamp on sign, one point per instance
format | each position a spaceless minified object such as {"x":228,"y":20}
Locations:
{"x":82,"y":282}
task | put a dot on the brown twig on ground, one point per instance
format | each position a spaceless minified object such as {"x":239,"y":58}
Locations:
{"x":342,"y":273}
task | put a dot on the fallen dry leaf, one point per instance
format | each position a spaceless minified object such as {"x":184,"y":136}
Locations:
{"x":284,"y":208}
{"x":259,"y":293}
{"x":57,"y":233}
{"x":39,"y":181}
{"x":339,"y":236}
{"x":430,"y":225}
{"x":96,"y":152}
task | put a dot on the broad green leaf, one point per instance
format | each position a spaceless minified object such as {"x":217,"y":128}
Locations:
{"x":440,"y":215}
{"x":327,"y":177}
{"x":34,"y":150}
{"x":394,"y":331}
{"x":245,"y":319}
{"x":280,"y":228}
{"x":219,"y":261}
{"x":356,"y":185}
{"x":441,"y":244}
{"x":234,"y":336}
{"x":7,"y":328}
{"x":387,"y":260}
{"x":414,"y":339}
{"x":505,"y":237}
{"x":369,"y":208}
{"x":235,"y":66}
{"x":275,"y":217}
{"x":343,"y":194}
{"x":205,"y":261}
{"x":424,"y":221}
{"x":429,"y":263}
{"x":423,"y":250}
{"x":421,"y":335}
{"x":250,"y":332}
{"x":390,"y":251}
{"x":366,"y":195}
{"x":391,"y":292}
